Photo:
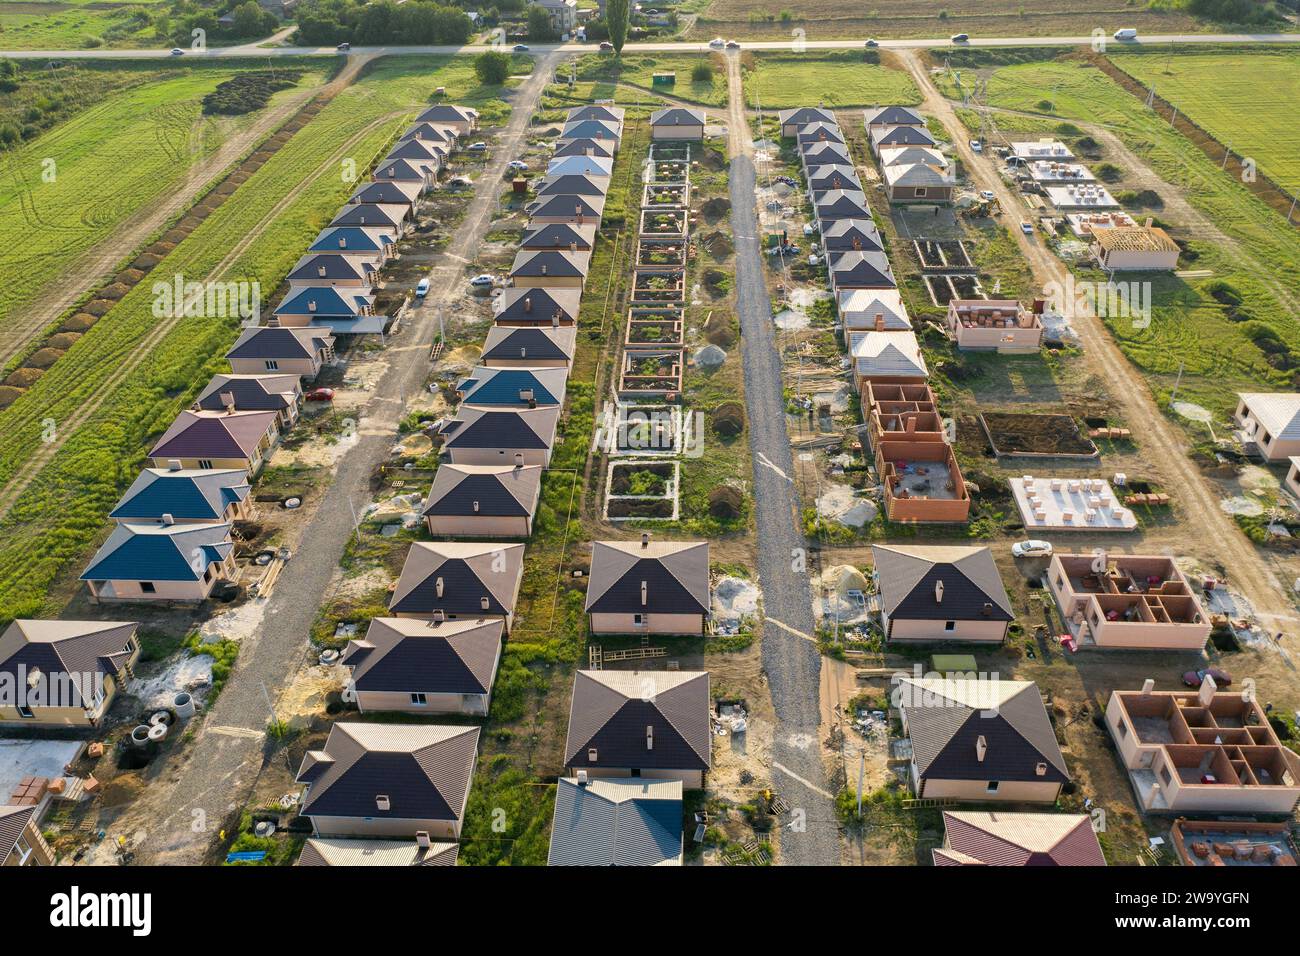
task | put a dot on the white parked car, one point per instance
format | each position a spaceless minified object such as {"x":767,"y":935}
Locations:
{"x":977,"y":146}
{"x":1031,"y":549}
{"x":482,"y":281}
{"x":987,"y":195}
{"x":422,"y":288}
{"x":1027,"y":228}
{"x":717,"y":43}
{"x":516,"y":165}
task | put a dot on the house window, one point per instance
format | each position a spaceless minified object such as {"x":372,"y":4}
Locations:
{"x":130,"y":647}
{"x":638,"y":620}
{"x":1123,"y":730}
{"x":919,"y":193}
{"x":418,"y":700}
{"x":1166,"y":776}
{"x":950,"y":625}
{"x":992,"y":787}
{"x":272,"y":365}
{"x":25,"y":713}
{"x":205,"y":462}
{"x":148,"y":587}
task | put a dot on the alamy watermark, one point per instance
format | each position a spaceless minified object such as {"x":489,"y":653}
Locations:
{"x":206,"y":300}
{"x":1106,"y":300}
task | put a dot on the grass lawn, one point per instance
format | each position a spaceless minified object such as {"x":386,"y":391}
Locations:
{"x":72,"y":187}
{"x":786,"y":80}
{"x":1246,"y":100}
{"x":1192,"y":325}
{"x":67,"y":28}
{"x":638,"y":70}
{"x":62,"y":513}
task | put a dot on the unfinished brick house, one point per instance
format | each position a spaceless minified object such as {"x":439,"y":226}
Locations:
{"x":1202,"y":751}
{"x":1127,"y":601}
{"x":918,"y":471}
{"x":994,"y":325}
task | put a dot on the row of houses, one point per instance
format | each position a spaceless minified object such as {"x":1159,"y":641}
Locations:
{"x":912,"y":167}
{"x":172,"y":540}
{"x":918,"y":471}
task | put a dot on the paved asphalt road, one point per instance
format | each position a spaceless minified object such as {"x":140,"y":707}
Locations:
{"x":253,"y":50}
{"x":226,"y":758}
{"x":790,"y":659}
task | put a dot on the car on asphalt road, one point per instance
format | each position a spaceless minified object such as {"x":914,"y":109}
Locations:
{"x":320,"y":395}
{"x":987,"y":195}
{"x":733,"y":45}
{"x":476,"y":148}
{"x":1027,"y":228}
{"x":344,"y":47}
{"x":717,"y":43}
{"x":960,"y":37}
{"x":482,"y":281}
{"x":422,"y":288}
{"x":521,"y":47}
{"x":871,"y":44}
{"x":1195,"y":678}
{"x":1031,"y":549}
{"x":606,"y":46}
{"x":977,"y":146}
{"x":1127,"y":33}
{"x":516,"y":166}
{"x":177,"y":51}
{"x":459,"y":182}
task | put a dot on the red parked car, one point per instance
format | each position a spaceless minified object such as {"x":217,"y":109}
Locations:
{"x":1196,"y":678}
{"x":321,"y":395}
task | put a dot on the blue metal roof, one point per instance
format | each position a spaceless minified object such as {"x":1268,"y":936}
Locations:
{"x":330,"y":302}
{"x":193,"y":496}
{"x":155,"y":553}
{"x":503,"y":388}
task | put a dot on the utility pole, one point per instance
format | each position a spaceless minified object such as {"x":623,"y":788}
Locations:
{"x":862,"y":771}
{"x":1177,"y":382}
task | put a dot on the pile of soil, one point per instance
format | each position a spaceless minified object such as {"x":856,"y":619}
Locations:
{"x":9,"y":395}
{"x":717,"y":244}
{"x":80,"y":322}
{"x":725,"y":502}
{"x":728,"y":419}
{"x":24,"y":377}
{"x":720,"y":329}
{"x":714,"y":209}
{"x":44,"y":358}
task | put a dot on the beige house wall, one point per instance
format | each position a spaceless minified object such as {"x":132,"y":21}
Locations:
{"x":1274,"y":449}
{"x":377,"y":701}
{"x":475,"y":526}
{"x":180,"y":591}
{"x":683,"y":132}
{"x":608,"y":623}
{"x":67,"y":716}
{"x":1019,"y":791}
{"x":498,"y":456}
{"x":691,"y":779}
{"x":304,"y":368}
{"x":1121,"y":260}
{"x":551,"y":282}
{"x":404,"y":829}
{"x":1004,"y":341}
{"x":913,"y":631}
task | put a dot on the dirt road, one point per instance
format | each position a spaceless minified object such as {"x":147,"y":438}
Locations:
{"x":221,"y":766}
{"x":1161,"y":440}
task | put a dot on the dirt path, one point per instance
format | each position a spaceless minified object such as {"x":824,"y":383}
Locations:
{"x":31,"y":468}
{"x":110,"y":255}
{"x":1198,"y":501}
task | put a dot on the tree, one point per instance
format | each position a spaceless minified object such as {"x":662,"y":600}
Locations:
{"x":539,"y":24}
{"x":492,"y":67}
{"x":616,"y":14}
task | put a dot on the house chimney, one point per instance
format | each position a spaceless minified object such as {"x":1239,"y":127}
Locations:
{"x":938,"y":592}
{"x":523,"y":352}
{"x":526,"y":395}
{"x":173,"y":464}
{"x":644,"y":594}
{"x":228,"y":401}
{"x":555,"y":319}
{"x":649,"y":737}
{"x":528,"y":303}
{"x":645,"y":539}
{"x":1205,"y":693}
{"x":320,"y":271}
{"x":437,"y":586}
{"x":382,"y":802}
{"x":591,"y":755}
{"x":476,"y":507}
{"x":1148,"y":686}
{"x":484,"y":603}
{"x":311,"y":305}
{"x":987,"y":610}
{"x":573,"y":246}
{"x":422,"y":839}
{"x":439,"y":615}
{"x":582,"y":778}
{"x":343,"y":242}
{"x":880,"y":321}
{"x":168,"y":519}
{"x":981,"y":748}
{"x":519,"y":459}
{"x":543,"y":268}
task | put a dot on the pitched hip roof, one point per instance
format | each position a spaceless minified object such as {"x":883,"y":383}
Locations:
{"x":888,"y":355}
{"x":424,"y":770}
{"x":252,"y":393}
{"x":74,"y":648}
{"x":405,"y":655}
{"x":187,"y":494}
{"x":275,"y":342}
{"x":972,"y":586}
{"x":583,"y":146}
{"x":617,"y":822}
{"x":677,"y":116}
{"x":13,"y":820}
{"x":520,"y":344}
{"x":946,"y":718}
{"x":614,"y":712}
{"x":804,"y":115}
{"x":560,"y":235}
{"x":675,"y":576}
{"x":536,"y":304}
{"x":994,"y":838}
{"x":206,"y":434}
{"x":159,"y":552}
{"x":325,"y":302}
{"x":489,"y":491}
{"x":574,"y":184}
{"x":510,"y":429}
{"x":469,"y":572}
{"x":892,"y":116}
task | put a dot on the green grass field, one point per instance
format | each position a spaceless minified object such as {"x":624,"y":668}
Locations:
{"x":71,"y":29}
{"x":1213,"y":341}
{"x":786,"y":80}
{"x":71,"y":188}
{"x":638,"y":70}
{"x":63,"y":512}
{"x":1245,"y":100}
